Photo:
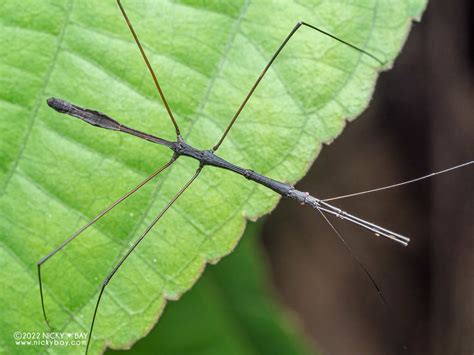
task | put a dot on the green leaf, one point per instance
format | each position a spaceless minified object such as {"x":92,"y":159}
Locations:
{"x":229,"y":311}
{"x":57,"y":173}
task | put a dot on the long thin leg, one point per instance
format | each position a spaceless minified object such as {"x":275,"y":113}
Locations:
{"x":363,"y":267}
{"x":122,"y":260}
{"x":275,"y":55}
{"x":155,"y":80}
{"x":402,"y":183}
{"x":356,"y":258}
{"x":95,"y":219}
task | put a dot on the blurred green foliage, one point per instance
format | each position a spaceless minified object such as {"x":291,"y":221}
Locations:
{"x":231,"y":311}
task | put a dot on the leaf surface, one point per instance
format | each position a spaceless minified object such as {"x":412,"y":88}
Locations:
{"x":57,"y":173}
{"x":229,"y":311}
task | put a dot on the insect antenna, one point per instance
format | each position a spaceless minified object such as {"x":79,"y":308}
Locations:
{"x":401,"y":183}
{"x":90,"y":223}
{"x":147,"y":62}
{"x":272,"y":59}
{"x":134,"y":245}
{"x":367,"y":273}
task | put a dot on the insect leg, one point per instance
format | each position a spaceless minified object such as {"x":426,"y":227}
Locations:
{"x":272,"y":59}
{"x":401,"y":183}
{"x":95,"y":219}
{"x":364,"y":268}
{"x":155,"y":80}
{"x":134,"y":245}
{"x":356,"y":258}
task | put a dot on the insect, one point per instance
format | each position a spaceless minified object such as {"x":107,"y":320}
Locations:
{"x":206,"y":158}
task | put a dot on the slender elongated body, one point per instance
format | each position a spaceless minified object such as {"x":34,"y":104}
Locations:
{"x":209,"y":158}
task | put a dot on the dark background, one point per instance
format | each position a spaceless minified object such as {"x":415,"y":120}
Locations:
{"x":420,"y":120}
